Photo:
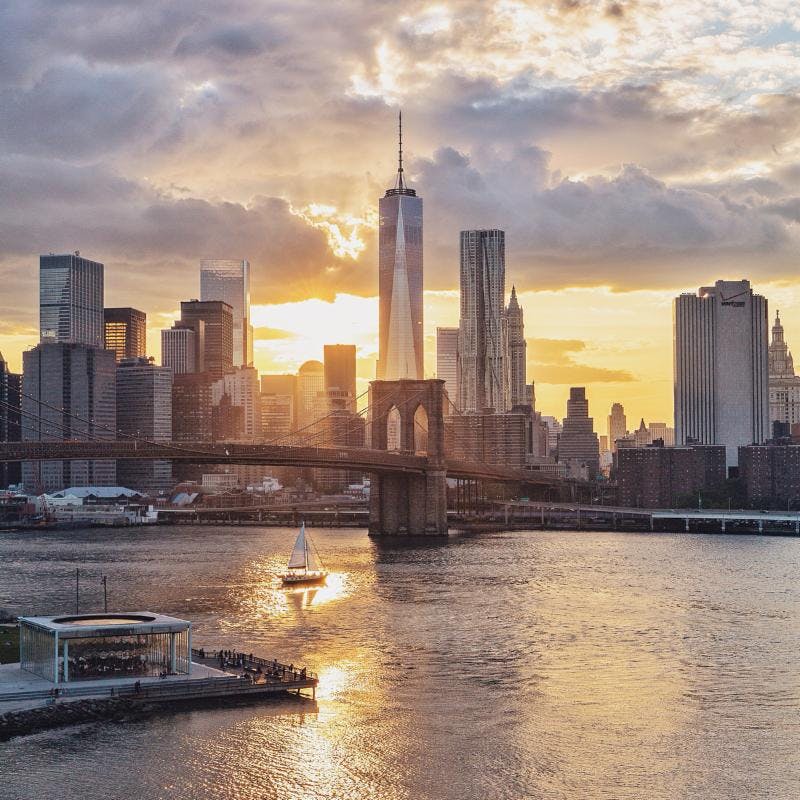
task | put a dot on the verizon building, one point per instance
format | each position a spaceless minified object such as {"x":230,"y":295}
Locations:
{"x":721,"y":379}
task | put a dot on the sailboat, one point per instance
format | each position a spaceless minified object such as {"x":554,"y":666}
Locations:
{"x":305,"y":567}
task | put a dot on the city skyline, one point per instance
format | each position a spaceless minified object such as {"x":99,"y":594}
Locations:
{"x":554,"y":364}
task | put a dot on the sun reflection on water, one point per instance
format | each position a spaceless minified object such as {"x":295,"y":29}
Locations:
{"x":334,"y":679}
{"x":335,"y":588}
{"x":267,"y":597}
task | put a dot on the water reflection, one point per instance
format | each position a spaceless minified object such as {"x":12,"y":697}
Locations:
{"x":503,"y":666}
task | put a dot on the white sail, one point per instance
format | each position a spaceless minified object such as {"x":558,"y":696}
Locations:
{"x":313,"y":562}
{"x":298,"y":559}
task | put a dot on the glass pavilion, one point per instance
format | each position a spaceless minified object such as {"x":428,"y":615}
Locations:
{"x":96,"y":646}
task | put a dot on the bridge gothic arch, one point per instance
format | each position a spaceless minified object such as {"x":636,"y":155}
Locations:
{"x":409,"y":504}
{"x":420,"y":429}
{"x":408,"y":396}
{"x":394,"y":429}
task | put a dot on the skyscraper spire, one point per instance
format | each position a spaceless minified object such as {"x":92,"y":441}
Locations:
{"x":400,"y":348}
{"x":400,"y":186}
{"x":400,"y":182}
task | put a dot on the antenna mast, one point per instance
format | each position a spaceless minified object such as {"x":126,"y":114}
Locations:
{"x":400,"y":184}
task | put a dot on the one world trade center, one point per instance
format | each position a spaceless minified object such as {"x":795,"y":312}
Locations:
{"x":400,"y":280}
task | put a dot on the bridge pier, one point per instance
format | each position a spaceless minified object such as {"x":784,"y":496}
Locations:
{"x":412,"y":505}
{"x":407,"y":503}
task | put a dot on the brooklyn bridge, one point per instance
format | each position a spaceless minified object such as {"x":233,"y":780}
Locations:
{"x":408,"y":482}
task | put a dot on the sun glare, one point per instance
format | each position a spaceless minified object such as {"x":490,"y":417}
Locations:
{"x":342,"y":229}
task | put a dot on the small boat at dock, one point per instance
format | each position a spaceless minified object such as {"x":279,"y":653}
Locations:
{"x":305,"y":566}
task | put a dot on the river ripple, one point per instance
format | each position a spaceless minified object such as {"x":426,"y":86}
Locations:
{"x":524,"y":665}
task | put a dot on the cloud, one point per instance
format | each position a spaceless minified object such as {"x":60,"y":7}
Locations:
{"x":75,"y":111}
{"x":579,"y":374}
{"x":272,"y":333}
{"x":546,"y":351}
{"x":617,"y":143}
{"x":235,"y":41}
{"x":551,"y":361}
{"x":630,"y":229}
{"x":142,"y":233}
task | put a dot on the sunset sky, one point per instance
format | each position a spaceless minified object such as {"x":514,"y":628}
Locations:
{"x":630,"y":150}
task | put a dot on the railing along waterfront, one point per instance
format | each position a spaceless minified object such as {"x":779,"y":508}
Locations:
{"x":251,"y":660}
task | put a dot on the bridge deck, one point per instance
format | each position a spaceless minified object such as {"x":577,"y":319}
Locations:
{"x":348,"y":458}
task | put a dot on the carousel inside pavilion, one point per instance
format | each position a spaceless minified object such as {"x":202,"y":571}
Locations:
{"x":96,"y":646}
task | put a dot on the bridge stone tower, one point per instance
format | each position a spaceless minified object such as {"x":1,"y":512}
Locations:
{"x":411,"y":504}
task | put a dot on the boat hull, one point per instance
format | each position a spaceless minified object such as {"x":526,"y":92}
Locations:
{"x":304,"y":580}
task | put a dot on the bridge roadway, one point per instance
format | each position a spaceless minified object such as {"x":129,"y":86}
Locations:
{"x":349,"y":458}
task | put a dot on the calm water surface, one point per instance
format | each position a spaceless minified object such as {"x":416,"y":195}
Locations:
{"x":524,"y":665}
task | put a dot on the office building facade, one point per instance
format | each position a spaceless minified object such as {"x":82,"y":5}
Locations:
{"x":340,"y":376}
{"x":241,"y":388}
{"x":69,"y":393}
{"x":229,"y":281}
{"x":311,"y":399}
{"x":71,"y":299}
{"x":721,"y":367}
{"x":10,"y":421}
{"x":280,"y":386}
{"x":276,"y":416}
{"x":182,"y":348}
{"x":125,"y":332}
{"x":617,"y":425}
{"x":447,"y":361}
{"x":400,"y":281}
{"x":578,"y":446}
{"x":517,"y":353}
{"x":482,"y":364}
{"x":144,"y":410}
{"x":501,"y":439}
{"x":217,"y":319}
{"x":784,"y":385}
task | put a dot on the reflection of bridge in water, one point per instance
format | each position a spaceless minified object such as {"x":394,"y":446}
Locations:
{"x":408,"y":488}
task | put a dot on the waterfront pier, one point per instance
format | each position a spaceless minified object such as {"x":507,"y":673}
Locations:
{"x":79,"y":665}
{"x":522,"y":515}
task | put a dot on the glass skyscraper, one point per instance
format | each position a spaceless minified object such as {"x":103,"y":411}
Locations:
{"x":71,"y":299}
{"x":400,"y":353}
{"x":229,"y":281}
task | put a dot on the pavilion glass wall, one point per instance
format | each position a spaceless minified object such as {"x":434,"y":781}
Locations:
{"x":37,"y":651}
{"x":138,"y":656}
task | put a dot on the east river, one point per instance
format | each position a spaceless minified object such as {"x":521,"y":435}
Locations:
{"x":524,"y":665}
